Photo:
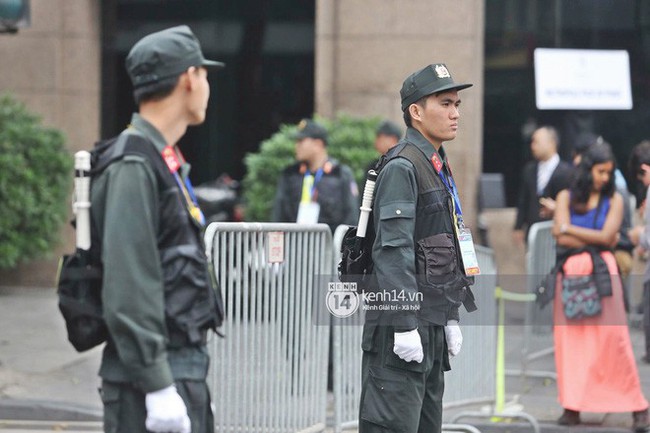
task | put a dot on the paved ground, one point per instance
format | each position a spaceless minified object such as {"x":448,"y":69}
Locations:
{"x":45,"y":385}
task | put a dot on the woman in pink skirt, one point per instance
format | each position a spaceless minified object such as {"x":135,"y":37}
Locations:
{"x":595,"y":364}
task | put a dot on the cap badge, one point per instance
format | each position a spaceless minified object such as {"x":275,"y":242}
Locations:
{"x":442,"y":72}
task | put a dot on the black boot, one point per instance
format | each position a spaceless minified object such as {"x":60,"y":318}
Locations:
{"x":641,"y":422}
{"x":569,"y":417}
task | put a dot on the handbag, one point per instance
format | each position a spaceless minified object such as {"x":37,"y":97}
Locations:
{"x":580,"y":297}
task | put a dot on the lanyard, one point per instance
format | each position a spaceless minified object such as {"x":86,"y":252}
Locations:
{"x":190,"y":198}
{"x":450,"y":184}
{"x":309,"y":185}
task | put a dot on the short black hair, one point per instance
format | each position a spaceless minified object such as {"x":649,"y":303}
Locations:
{"x":640,"y":155}
{"x":422,"y":102}
{"x":155,"y":91}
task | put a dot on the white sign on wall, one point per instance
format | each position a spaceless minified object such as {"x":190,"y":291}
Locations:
{"x":568,"y":79}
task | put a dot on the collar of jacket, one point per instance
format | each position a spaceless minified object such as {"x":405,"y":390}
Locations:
{"x":415,"y":137}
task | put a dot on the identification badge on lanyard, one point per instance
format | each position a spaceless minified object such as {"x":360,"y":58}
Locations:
{"x":308,"y":213}
{"x":467,"y":252}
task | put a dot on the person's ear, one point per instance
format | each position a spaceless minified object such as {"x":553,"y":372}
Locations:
{"x":187,"y":77}
{"x":415,"y":112}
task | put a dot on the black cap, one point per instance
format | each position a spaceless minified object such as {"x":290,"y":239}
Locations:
{"x":165,"y":54}
{"x":308,"y":128}
{"x":428,"y":80}
{"x":389,"y":128}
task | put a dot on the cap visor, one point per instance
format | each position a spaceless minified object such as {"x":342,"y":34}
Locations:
{"x":452,"y":87}
{"x":212,"y":65}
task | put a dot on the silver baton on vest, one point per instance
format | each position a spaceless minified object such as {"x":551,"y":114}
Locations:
{"x":81,"y":203}
{"x":366,"y":203}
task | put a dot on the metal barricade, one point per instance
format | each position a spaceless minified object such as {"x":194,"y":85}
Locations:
{"x":538,"y":327}
{"x":346,"y":346}
{"x":470,"y":381}
{"x":269,"y":373}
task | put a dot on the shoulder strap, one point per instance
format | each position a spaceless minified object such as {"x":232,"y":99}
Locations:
{"x":107,"y":153}
{"x":426,"y":176}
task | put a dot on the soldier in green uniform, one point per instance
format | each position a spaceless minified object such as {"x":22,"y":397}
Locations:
{"x":316,"y":189}
{"x":411,"y":326}
{"x":159,"y":295}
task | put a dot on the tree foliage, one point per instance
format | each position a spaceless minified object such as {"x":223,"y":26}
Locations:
{"x":35,"y":179}
{"x":350,"y":141}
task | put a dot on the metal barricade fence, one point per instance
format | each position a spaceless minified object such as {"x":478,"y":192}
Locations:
{"x":269,"y":373}
{"x":468,"y":382}
{"x":346,"y":346}
{"x":472,"y":375}
{"x":538,"y":329}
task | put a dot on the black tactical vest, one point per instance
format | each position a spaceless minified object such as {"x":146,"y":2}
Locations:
{"x":193,"y":302}
{"x":438,"y":263}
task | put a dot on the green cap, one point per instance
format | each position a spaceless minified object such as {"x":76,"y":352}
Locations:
{"x":389,"y":128}
{"x":165,"y":54}
{"x":428,"y":80}
{"x":308,"y":128}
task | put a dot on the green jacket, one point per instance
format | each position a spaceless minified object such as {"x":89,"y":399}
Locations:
{"x":417,"y":263}
{"x":127,"y":208}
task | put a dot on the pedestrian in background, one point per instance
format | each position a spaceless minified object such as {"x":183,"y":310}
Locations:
{"x":158,"y":294}
{"x":596,"y":370}
{"x":386,"y":136}
{"x":624,"y":246}
{"x":544,"y":177}
{"x":640,"y":235}
{"x":317,"y":188}
{"x":407,"y":341}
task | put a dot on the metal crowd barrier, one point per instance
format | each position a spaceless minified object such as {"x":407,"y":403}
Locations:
{"x":470,"y":381}
{"x":538,"y":326}
{"x":269,"y":373}
{"x":346,"y":346}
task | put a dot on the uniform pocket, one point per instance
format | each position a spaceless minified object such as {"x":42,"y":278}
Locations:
{"x":368,"y":337}
{"x":434,"y":200}
{"x":390,"y":399}
{"x":436,"y":258}
{"x":396,"y":224}
{"x":394,"y":361}
{"x":110,"y":395}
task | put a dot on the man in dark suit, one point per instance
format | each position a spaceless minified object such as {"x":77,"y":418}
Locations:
{"x":542,"y":178}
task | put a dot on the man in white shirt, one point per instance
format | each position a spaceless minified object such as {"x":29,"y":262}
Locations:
{"x":542,"y":178}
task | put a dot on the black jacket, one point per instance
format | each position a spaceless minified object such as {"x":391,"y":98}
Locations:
{"x":528,"y":204}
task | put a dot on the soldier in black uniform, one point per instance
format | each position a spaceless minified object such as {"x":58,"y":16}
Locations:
{"x":158,"y":293}
{"x":316,"y":188}
{"x":411,"y":330}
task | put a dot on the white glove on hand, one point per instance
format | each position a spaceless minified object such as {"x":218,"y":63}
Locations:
{"x":166,"y":411}
{"x":454,"y":337}
{"x":408,"y":346}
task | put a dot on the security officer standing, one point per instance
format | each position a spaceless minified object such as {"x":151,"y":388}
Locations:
{"x":424,"y":261}
{"x":316,"y":189}
{"x":159,"y":294}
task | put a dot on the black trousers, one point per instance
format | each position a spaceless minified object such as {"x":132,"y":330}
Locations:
{"x":400,"y":396}
{"x":125,"y":411}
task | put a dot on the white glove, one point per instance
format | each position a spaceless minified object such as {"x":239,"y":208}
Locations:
{"x":166,"y":411}
{"x":454,"y":337}
{"x":408,"y":346}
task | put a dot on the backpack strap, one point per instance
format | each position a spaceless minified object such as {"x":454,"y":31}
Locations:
{"x":423,"y":168}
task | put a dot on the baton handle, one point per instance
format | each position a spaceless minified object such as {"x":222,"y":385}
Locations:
{"x":81,"y":204}
{"x":366,"y":203}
